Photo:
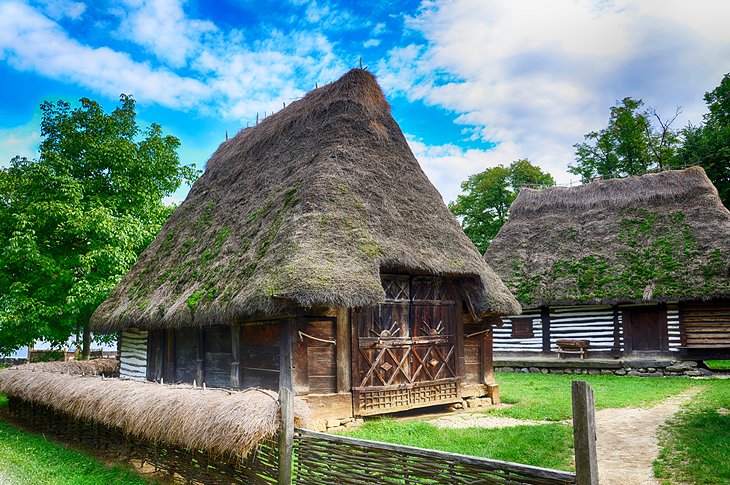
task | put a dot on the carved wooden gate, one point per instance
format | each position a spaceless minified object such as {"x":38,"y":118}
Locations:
{"x":405,"y":351}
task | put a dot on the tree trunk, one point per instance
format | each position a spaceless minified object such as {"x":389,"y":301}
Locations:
{"x":86,"y":349}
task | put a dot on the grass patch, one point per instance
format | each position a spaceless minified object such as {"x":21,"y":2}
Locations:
{"x":548,"y":396}
{"x":522,"y":444}
{"x":695,"y":444}
{"x":723,"y":365}
{"x":32,"y":459}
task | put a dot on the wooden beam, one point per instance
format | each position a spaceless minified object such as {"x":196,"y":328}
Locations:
{"x":616,"y":331}
{"x":343,"y":350}
{"x":545,"y":320}
{"x":235,"y":382}
{"x":286,"y":435}
{"x":584,"y":434}
{"x":285,"y":351}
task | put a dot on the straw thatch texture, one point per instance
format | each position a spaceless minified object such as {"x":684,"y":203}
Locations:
{"x":221,"y":422}
{"x":303,"y":209}
{"x":94,"y":367}
{"x":655,"y":238}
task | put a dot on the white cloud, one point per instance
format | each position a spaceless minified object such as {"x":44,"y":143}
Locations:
{"x":60,"y":9}
{"x":30,"y":41}
{"x":163,"y":29}
{"x":536,"y":76}
{"x":19,"y":141}
{"x":371,"y":43}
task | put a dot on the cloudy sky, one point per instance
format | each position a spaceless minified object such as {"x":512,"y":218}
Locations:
{"x":473,"y":83}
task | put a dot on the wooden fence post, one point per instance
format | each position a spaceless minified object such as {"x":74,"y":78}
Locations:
{"x":286,"y":435}
{"x":584,"y":434}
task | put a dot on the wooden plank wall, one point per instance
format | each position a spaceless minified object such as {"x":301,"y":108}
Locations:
{"x":503,"y":341}
{"x":675,"y":340}
{"x":594,"y":323}
{"x":260,"y":356}
{"x":706,"y":326}
{"x":133,"y":357}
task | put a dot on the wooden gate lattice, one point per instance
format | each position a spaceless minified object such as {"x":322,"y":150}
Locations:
{"x":405,"y":349}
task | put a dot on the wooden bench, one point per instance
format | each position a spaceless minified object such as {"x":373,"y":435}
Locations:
{"x":572,"y":347}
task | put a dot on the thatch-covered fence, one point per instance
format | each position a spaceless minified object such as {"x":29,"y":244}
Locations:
{"x":215,"y":436}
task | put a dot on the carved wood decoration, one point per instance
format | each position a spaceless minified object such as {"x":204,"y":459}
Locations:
{"x":405,"y":352}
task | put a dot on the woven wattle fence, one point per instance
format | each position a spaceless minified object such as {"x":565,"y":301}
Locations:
{"x":324,"y":458}
{"x":181,"y":465}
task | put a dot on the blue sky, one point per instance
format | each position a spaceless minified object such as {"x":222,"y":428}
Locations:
{"x":473,"y":83}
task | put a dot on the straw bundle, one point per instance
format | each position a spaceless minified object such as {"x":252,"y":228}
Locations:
{"x":93,"y":367}
{"x":221,"y":422}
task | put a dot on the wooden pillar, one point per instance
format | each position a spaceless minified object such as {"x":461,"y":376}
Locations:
{"x":235,"y":382}
{"x":616,"y":349}
{"x":200,"y":359}
{"x":285,"y":351}
{"x":169,"y":357}
{"x":459,"y":333}
{"x":545,"y":319}
{"x":488,"y":357}
{"x":286,"y":435}
{"x":584,"y":434}
{"x":344,"y":351}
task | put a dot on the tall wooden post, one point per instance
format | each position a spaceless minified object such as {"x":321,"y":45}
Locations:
{"x":286,"y":405}
{"x":616,"y":349}
{"x":584,"y":434}
{"x":344,"y":353}
{"x":235,"y":381}
{"x":545,"y":321}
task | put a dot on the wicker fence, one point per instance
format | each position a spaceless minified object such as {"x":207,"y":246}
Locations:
{"x":323,"y":458}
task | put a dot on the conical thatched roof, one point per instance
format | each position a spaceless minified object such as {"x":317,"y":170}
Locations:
{"x":658,"y":237}
{"x":304,"y":209}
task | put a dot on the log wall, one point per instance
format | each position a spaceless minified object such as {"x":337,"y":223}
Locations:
{"x":133,"y":356}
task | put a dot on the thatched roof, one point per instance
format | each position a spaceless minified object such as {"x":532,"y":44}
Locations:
{"x":303,"y":209}
{"x":227,"y":423}
{"x":655,"y":238}
{"x":106,"y":366}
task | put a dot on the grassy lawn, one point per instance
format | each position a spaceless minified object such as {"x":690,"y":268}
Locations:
{"x":695,"y":444}
{"x":548,"y":396}
{"x":32,"y":459}
{"x":722,"y":365}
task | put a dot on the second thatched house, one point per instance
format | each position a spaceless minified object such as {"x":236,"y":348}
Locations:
{"x":630,"y":267}
{"x":314,"y":241}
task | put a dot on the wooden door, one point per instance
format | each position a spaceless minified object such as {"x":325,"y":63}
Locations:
{"x":405,"y":352}
{"x":646,"y":329}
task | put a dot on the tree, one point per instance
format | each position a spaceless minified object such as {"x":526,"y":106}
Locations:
{"x":488,"y":196}
{"x":73,"y":221}
{"x":631,"y":144}
{"x":708,"y":145}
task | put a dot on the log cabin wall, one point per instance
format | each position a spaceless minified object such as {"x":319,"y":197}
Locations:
{"x":705,"y":329}
{"x":133,"y":355}
{"x":315,"y":360}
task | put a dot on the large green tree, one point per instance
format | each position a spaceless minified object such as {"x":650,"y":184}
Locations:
{"x":73,"y":221}
{"x":708,"y":145}
{"x":635,"y":141}
{"x":488,"y":195}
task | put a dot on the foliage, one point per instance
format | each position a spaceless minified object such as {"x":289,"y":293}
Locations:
{"x":631,"y":144}
{"x":549,"y":446}
{"x":695,"y":443}
{"x":34,"y":460}
{"x":708,"y":145}
{"x":488,"y":196}
{"x":548,"y":396}
{"x":74,"y":220}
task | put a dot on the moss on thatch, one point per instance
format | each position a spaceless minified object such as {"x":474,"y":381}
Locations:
{"x":225,"y":423}
{"x":655,"y":238}
{"x":304,"y":209}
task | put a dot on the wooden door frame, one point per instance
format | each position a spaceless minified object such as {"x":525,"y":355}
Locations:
{"x":628,"y":323}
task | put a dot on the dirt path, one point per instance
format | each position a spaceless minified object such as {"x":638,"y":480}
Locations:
{"x":627,"y":443}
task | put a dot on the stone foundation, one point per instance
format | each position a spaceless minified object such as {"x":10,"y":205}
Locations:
{"x":686,"y":368}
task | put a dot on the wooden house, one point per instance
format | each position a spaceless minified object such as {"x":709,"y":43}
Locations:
{"x":627,"y":267}
{"x":314,"y":235}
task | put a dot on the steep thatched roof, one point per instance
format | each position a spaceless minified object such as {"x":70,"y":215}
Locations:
{"x":106,"y":366}
{"x":658,"y":237}
{"x":222,"y":422}
{"x":305,"y":208}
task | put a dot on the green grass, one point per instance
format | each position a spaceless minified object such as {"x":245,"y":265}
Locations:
{"x":695,"y":444}
{"x":548,"y":396}
{"x":718,"y":364}
{"x":521,"y":444}
{"x":32,"y":459}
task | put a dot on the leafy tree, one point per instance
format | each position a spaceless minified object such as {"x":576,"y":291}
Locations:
{"x":73,"y":221}
{"x":488,"y":196}
{"x":708,"y":145}
{"x":631,"y":144}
